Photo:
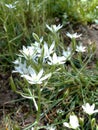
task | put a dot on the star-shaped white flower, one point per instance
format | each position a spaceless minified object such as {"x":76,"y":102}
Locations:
{"x":50,"y":127}
{"x":67,"y":53}
{"x":54,"y":28}
{"x":73,"y":122}
{"x":80,"y":48}
{"x":74,"y":35}
{"x":48,"y":51}
{"x":28,"y":51}
{"x":10,"y":6}
{"x":20,"y":67}
{"x":36,"y":78}
{"x":31,"y":52}
{"x":56,"y":60}
{"x":89,"y":109}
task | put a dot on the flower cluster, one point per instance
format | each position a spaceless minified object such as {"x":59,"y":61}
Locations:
{"x":37,"y":62}
{"x":41,"y":53}
{"x":73,"y":119}
{"x":80,"y":47}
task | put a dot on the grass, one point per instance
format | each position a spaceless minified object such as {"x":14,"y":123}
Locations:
{"x":78,"y":11}
{"x":17,"y":25}
{"x":71,"y":84}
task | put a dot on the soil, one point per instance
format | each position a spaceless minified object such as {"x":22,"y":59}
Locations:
{"x":8,"y":103}
{"x":13,"y":108}
{"x":89,"y":35}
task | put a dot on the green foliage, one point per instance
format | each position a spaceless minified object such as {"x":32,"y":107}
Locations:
{"x":82,"y":11}
{"x":17,"y":24}
{"x":71,"y":84}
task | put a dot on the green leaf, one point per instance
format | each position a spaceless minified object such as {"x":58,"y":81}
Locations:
{"x":13,"y":87}
{"x":36,"y":37}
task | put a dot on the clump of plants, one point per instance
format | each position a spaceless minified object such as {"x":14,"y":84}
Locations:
{"x":17,"y":21}
{"x":81,"y":11}
{"x":58,"y":81}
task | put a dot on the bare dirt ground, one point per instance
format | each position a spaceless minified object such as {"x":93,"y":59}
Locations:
{"x":89,"y":35}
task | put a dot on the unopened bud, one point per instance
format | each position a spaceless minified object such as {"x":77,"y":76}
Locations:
{"x":93,"y":122}
{"x":81,"y":119}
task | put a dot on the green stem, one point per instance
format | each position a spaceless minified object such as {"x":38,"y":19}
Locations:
{"x":73,"y":44}
{"x":80,"y":58}
{"x":90,"y":122}
{"x":82,"y":128}
{"x":34,"y":101}
{"x":39,"y":107}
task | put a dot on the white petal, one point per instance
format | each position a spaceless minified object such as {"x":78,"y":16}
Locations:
{"x":46,"y":51}
{"x":74,"y":121}
{"x":32,"y":72}
{"x":32,"y":128}
{"x":93,"y":106}
{"x":54,"y":57}
{"x":40,"y":73}
{"x":45,"y":46}
{"x":27,"y":77}
{"x":95,"y":111}
{"x":46,"y":76}
{"x":66,"y":124}
{"x":51,"y":47}
{"x":49,"y":28}
{"x":88,"y":109}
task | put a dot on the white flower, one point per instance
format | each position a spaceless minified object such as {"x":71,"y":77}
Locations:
{"x":32,"y":128}
{"x":34,"y":51}
{"x":28,"y":51}
{"x":31,"y":52}
{"x":56,"y":60}
{"x":80,"y":48}
{"x":89,"y":109}
{"x":67,"y":53}
{"x":54,"y":28}
{"x":73,"y":122}
{"x":75,"y":35}
{"x":28,"y":2}
{"x":59,"y":111}
{"x":48,"y":51}
{"x":51,"y":127}
{"x":34,"y":78}
{"x":16,"y":2}
{"x":10,"y":6}
{"x":20,"y":67}
{"x":37,"y":47}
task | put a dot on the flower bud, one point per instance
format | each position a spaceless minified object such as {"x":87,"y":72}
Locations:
{"x":93,"y":122}
{"x":81,"y":120}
